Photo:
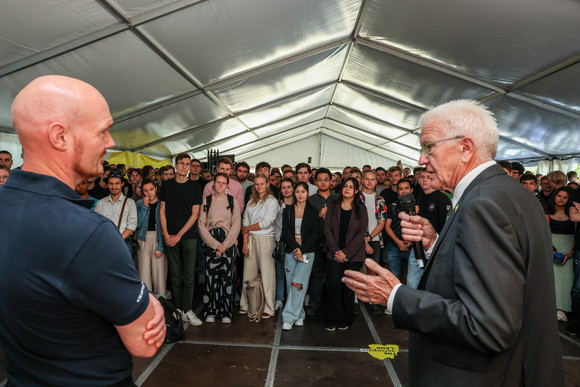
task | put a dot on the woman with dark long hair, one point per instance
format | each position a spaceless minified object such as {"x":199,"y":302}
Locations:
{"x":301,"y":232}
{"x":286,"y":199}
{"x":151,"y":261}
{"x":345,"y":227}
{"x":219,"y":225}
{"x":563,"y":241}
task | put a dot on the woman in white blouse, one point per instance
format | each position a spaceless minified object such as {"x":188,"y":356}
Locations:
{"x":258,"y":228}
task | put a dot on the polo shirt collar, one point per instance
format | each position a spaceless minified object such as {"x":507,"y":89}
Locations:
{"x":44,"y":185}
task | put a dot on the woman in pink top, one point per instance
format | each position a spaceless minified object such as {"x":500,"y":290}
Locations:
{"x":219,"y":224}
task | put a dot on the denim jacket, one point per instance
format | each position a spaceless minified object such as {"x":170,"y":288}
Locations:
{"x":143,"y":221}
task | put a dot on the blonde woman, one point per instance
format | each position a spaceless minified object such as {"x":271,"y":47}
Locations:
{"x":258,"y":228}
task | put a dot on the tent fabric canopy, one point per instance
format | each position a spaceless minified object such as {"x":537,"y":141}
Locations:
{"x":340,"y":81}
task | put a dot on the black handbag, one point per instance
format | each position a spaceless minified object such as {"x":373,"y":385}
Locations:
{"x":279,"y":250}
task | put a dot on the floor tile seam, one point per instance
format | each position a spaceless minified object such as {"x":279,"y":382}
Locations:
{"x":274,"y":355}
{"x":568,"y":357}
{"x":570,"y":340}
{"x":281,"y":347}
{"x":388,"y":364}
{"x":151,"y":367}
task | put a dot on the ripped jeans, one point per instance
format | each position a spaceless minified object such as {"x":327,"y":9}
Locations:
{"x":299,"y":273}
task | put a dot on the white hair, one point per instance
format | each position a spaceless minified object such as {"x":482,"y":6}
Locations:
{"x":469,"y":118}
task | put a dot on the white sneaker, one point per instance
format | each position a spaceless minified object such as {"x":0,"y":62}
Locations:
{"x":226,"y":320}
{"x":299,"y":322}
{"x":210,"y":319}
{"x":182,"y":315}
{"x":561,"y":316}
{"x":192,"y":319}
{"x":387,"y":312}
{"x":286,"y":326}
{"x":278,"y":305}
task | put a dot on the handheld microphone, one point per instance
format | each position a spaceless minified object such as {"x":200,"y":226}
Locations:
{"x":408,"y":203}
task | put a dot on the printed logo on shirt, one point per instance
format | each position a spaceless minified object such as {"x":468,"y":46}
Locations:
{"x":432,"y":207}
{"x":140,"y":297}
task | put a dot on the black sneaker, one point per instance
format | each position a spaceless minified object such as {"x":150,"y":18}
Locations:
{"x":311,"y":310}
{"x":571,"y":330}
{"x":343,"y":327}
{"x":330,"y":328}
{"x":375,"y":309}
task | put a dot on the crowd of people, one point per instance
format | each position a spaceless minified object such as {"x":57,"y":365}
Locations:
{"x":175,"y":219}
{"x":476,"y":260}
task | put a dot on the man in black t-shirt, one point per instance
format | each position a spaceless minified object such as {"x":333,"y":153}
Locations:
{"x":390,"y":195}
{"x":180,"y":200}
{"x":433,"y":204}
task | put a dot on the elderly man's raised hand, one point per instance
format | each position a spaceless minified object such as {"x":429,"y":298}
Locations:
{"x":417,"y":229}
{"x":371,"y":288}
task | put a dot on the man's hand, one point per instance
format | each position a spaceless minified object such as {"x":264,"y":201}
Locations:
{"x":322,"y":213}
{"x":158,"y":254}
{"x":369,"y":249}
{"x":403,"y":245}
{"x":155,"y":329}
{"x":417,"y":229}
{"x":374,"y":287}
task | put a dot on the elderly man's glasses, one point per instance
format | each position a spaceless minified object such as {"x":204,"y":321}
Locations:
{"x":427,"y":149}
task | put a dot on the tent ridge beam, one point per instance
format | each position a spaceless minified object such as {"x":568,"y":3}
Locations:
{"x":182,"y":133}
{"x":330,"y":132}
{"x":275,"y":64}
{"x":387,"y":49}
{"x":521,"y":145}
{"x":387,"y":140}
{"x":374,"y":119}
{"x":213,"y":143}
{"x":386,"y":97}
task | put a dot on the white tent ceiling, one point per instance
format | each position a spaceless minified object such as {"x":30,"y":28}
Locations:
{"x":346,"y":79}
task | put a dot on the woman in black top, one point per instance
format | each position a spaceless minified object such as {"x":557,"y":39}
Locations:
{"x":345,"y":227}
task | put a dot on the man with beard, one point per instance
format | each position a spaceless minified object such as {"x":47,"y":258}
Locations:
{"x":80,"y":310}
{"x":120,"y":209}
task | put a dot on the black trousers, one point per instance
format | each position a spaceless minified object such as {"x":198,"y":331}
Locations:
{"x":340,"y":297}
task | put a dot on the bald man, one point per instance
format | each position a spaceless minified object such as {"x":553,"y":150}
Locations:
{"x":72,"y":307}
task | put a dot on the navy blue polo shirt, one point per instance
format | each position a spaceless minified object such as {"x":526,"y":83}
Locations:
{"x":66,"y":278}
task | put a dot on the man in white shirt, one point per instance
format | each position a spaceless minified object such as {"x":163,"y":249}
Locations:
{"x":303,"y":173}
{"x":112,"y":205}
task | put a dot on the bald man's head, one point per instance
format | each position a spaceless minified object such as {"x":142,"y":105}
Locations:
{"x":62,"y":124}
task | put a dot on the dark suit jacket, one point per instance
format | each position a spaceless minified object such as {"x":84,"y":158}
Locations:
{"x":309,"y":230}
{"x":355,"y":236}
{"x":485,"y":314}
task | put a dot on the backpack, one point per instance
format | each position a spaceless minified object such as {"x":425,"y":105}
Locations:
{"x":207,"y":204}
{"x":256,"y":299}
{"x":173,"y":322}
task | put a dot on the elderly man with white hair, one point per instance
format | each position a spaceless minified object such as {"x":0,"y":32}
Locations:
{"x":483,"y":314}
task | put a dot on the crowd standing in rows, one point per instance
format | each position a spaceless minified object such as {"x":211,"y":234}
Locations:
{"x":174,"y":217}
